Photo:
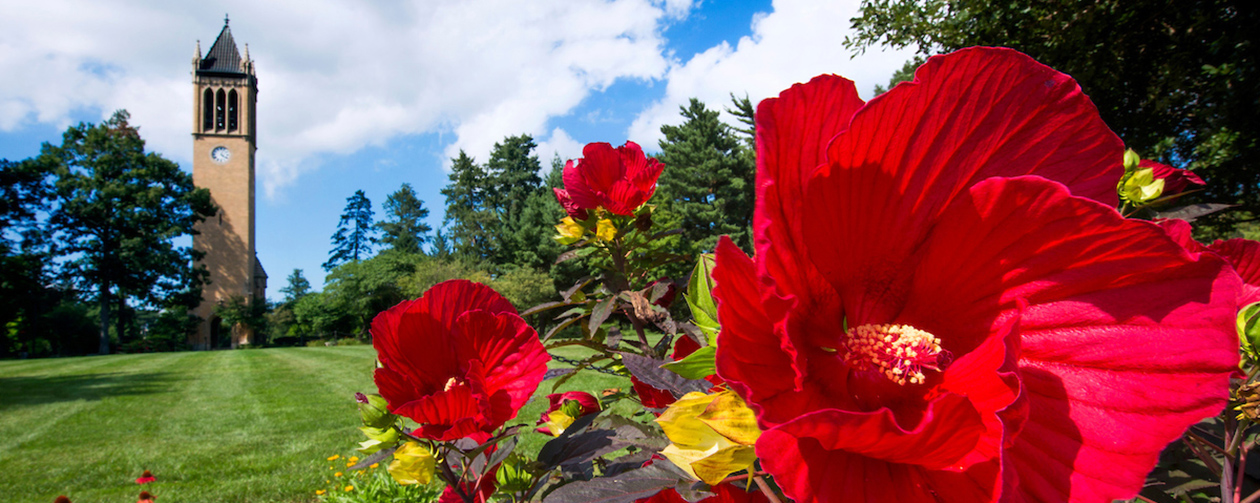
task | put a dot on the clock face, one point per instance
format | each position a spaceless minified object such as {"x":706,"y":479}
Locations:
{"x":220,"y":154}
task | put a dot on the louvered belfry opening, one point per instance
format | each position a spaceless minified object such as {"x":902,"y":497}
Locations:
{"x":231,"y":110}
{"x":207,"y":110}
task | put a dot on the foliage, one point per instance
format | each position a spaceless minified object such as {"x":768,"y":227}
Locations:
{"x":404,"y":229}
{"x":364,"y":288}
{"x":1178,"y":82}
{"x":296,"y":288}
{"x":708,"y":181}
{"x":323,"y":315}
{"x":469,"y":222}
{"x":239,"y":313}
{"x":355,"y":235}
{"x":117,"y":213}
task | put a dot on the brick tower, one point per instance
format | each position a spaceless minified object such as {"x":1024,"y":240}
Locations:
{"x":224,"y":131}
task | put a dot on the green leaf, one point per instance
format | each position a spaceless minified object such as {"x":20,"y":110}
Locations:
{"x":1249,"y":330}
{"x":700,"y":298}
{"x":697,"y":365}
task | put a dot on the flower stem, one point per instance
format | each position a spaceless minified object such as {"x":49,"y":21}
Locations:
{"x":765,"y":489}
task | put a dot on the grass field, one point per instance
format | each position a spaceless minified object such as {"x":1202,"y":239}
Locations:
{"x":219,"y":426}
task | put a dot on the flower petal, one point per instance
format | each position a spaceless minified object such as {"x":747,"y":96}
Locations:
{"x":793,"y":131}
{"x":1244,"y":255}
{"x":1125,"y":342}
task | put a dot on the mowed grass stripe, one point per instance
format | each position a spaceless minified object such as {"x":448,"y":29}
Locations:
{"x":247,"y":426}
{"x":82,"y":426}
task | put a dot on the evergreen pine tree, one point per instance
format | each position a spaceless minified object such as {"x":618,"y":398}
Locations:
{"x":355,"y":235}
{"x":297,"y":288}
{"x":405,"y":229}
{"x":470,"y":225}
{"x":705,"y":182}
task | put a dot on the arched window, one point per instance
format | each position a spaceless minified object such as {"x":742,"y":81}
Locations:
{"x":220,"y":103}
{"x":232,"y":110}
{"x":207,"y":110}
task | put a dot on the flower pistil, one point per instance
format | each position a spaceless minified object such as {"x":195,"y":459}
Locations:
{"x":899,"y":352}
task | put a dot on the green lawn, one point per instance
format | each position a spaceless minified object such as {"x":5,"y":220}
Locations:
{"x":219,"y":426}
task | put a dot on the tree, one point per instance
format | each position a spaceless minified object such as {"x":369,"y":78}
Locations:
{"x":1176,"y":80}
{"x":405,"y":229}
{"x":469,"y":223}
{"x":118,"y":211}
{"x":518,"y":201}
{"x":705,"y":182}
{"x":297,"y":288}
{"x":355,"y":235}
{"x":24,"y":256}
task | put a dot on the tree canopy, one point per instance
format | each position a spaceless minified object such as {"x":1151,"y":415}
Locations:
{"x":1176,"y":80}
{"x":118,"y":210}
{"x":404,"y":228}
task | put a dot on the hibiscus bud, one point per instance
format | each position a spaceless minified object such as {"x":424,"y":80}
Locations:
{"x":512,"y":475}
{"x":1142,"y":187}
{"x":374,"y":411}
{"x":569,"y":231}
{"x":412,"y":464}
{"x":643,"y":218}
{"x":711,"y":436}
{"x":564,"y":409}
{"x":1249,"y":330}
{"x":1131,"y":161}
{"x":378,"y":438}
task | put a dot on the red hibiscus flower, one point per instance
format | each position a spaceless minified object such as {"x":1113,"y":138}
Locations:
{"x":1175,"y":180}
{"x":587,"y":404}
{"x":722,"y":493}
{"x":459,"y":360}
{"x":944,"y":304}
{"x":619,"y":180}
{"x":1242,"y":254}
{"x":146,"y":477}
{"x":480,"y":490}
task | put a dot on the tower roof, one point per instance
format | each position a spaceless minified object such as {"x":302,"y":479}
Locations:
{"x":223,"y":56}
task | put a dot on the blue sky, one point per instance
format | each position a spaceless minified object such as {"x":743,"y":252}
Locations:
{"x":371,"y":95}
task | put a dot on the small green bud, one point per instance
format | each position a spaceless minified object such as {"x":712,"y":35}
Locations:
{"x":374,"y":411}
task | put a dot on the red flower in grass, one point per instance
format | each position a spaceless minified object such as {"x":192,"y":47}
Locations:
{"x":145,"y":497}
{"x":146,"y":477}
{"x":617,"y":179}
{"x":61,"y":499}
{"x":1175,"y":180}
{"x":459,"y":360}
{"x":944,"y":304}
{"x":587,"y":404}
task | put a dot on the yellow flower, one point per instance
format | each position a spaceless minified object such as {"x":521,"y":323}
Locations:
{"x":712,"y":436}
{"x":374,"y":465}
{"x":604,"y":230}
{"x":349,"y":488}
{"x":320,"y":492}
{"x":412,"y":464}
{"x":338,"y":474}
{"x":349,"y":463}
{"x":334,"y":457}
{"x":354,"y":459}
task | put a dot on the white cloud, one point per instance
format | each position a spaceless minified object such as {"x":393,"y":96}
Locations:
{"x":334,"y":76}
{"x":558,"y":144}
{"x":797,"y":41}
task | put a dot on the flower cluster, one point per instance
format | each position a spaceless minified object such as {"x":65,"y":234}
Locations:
{"x":943,"y":304}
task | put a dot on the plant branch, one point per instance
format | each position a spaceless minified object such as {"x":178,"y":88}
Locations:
{"x":765,"y":489}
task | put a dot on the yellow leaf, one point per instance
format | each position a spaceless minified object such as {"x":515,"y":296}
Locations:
{"x":557,"y":421}
{"x":730,"y":417}
{"x":412,"y":464}
{"x":605,"y":231}
{"x":698,"y":448}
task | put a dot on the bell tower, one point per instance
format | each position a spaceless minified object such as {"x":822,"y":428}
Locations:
{"x":224,"y":131}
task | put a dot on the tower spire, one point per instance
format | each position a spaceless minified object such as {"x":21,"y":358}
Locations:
{"x":225,"y":19}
